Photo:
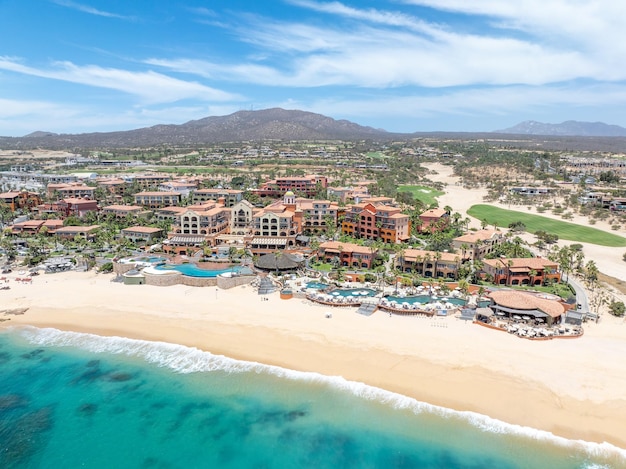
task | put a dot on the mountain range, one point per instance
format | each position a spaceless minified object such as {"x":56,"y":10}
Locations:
{"x":290,"y":125}
{"x":276,"y":123}
{"x":567,"y":128}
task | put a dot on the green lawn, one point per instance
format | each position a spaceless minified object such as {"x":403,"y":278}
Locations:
{"x":427,"y":195}
{"x":564,"y":230}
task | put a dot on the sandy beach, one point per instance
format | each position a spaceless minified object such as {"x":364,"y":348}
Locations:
{"x":571,"y":387}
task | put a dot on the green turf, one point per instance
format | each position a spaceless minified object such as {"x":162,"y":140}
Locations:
{"x":426,"y":195}
{"x":564,"y":230}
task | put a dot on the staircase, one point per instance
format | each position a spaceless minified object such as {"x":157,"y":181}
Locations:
{"x":367,"y":309}
{"x":266,"y":286}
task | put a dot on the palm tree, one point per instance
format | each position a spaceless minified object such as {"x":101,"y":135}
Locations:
{"x":400,"y":258}
{"x":437,"y":259}
{"x":464,"y":248}
{"x":591,"y":274}
{"x":464,"y":287}
{"x":508,"y":265}
{"x":532,"y":274}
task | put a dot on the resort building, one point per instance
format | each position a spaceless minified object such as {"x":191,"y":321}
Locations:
{"x":76,"y":190}
{"x":617,"y":204}
{"x":304,"y":186}
{"x":355,"y":194}
{"x":28,"y":227}
{"x":530,"y":190}
{"x":428,"y":263}
{"x":241,"y":218}
{"x":521,"y":271}
{"x":113,"y":186}
{"x":157,"y":199}
{"x":149,"y":181}
{"x":19,"y":200}
{"x":32,"y":227}
{"x":520,"y":305}
{"x":184,"y":188}
{"x":317,"y":215}
{"x":347,"y":254}
{"x":170,"y":214}
{"x":70,"y":232}
{"x":433,"y":220}
{"x":228,"y":197}
{"x":276,"y":226}
{"x":67,"y":207}
{"x":376,"y":221}
{"x":198,"y":225}
{"x":142,"y":234}
{"x":77,"y":207}
{"x":477,"y":244}
{"x":122,"y":211}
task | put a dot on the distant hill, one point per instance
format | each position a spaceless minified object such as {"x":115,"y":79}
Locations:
{"x":567,"y":128}
{"x":39,"y":134}
{"x":286,"y":125}
{"x":276,"y":123}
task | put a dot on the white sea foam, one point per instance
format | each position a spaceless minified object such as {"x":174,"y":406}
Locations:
{"x":182,"y":359}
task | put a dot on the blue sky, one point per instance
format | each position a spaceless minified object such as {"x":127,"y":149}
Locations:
{"x":401,"y":65}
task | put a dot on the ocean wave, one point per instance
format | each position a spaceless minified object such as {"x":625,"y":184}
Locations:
{"x":183,"y":359}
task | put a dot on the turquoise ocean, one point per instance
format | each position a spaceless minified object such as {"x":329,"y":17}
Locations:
{"x":70,"y":400}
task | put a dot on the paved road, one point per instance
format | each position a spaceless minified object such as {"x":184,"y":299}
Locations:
{"x":581,"y":294}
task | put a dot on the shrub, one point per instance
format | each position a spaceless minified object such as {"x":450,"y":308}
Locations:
{"x":617,"y":308}
{"x":106,"y":267}
{"x":372,"y":278}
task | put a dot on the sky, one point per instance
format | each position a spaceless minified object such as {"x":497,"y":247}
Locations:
{"x":73,"y":66}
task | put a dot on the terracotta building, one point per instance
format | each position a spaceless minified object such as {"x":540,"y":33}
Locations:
{"x":521,"y":271}
{"x":376,"y":221}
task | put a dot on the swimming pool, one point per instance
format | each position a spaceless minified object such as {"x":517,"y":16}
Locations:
{"x":354,"y":292}
{"x":192,"y":270}
{"x":317,"y":285}
{"x":144,"y":260}
{"x":425,"y":299}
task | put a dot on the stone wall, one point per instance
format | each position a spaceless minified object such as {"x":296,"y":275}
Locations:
{"x":198,"y":281}
{"x":230,"y":282}
{"x":120,"y":268}
{"x":168,"y":280}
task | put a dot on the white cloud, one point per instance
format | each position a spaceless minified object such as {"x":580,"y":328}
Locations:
{"x":372,"y":15}
{"x":384,"y":49}
{"x":90,"y":10}
{"x":149,"y":86}
{"x":22,"y":117}
{"x":370,"y":57}
{"x":581,"y":23}
{"x":522,"y":100}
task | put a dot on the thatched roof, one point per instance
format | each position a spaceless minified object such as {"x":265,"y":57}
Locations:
{"x":277,"y":261}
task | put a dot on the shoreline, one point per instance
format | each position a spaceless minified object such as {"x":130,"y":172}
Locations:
{"x":573,"y":389}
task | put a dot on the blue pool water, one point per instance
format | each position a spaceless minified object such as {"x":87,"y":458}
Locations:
{"x":317,"y":285}
{"x":149,"y":259}
{"x":352,"y":291}
{"x":424,"y":299}
{"x":192,"y":270}
{"x":70,"y":400}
